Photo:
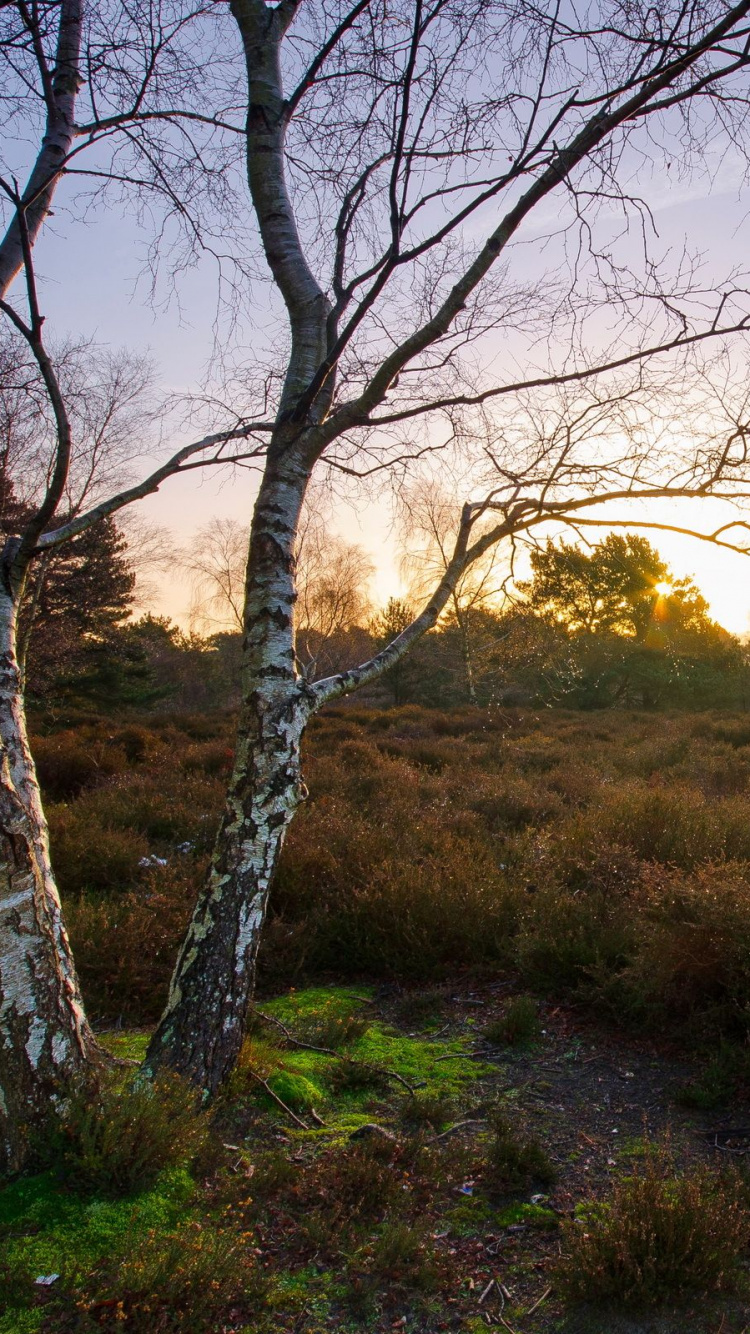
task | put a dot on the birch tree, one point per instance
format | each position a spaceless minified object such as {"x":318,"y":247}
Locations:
{"x":45,"y":1038}
{"x":394,"y":155}
{"x":443,"y":200}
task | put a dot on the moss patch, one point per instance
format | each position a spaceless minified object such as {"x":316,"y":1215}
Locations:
{"x":46,"y":1230}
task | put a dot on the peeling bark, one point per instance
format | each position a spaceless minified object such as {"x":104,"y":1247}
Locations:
{"x":45,"y":1039}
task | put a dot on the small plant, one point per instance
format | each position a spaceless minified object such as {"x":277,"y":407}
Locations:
{"x":274,"y":1174}
{"x":515,"y":1162}
{"x":355,"y":1077}
{"x":118,"y":1139}
{"x":419,"y":1007}
{"x":400,"y":1255}
{"x":427,"y":1109}
{"x":518,"y":1026}
{"x":329,"y":1029}
{"x":659,"y":1235}
{"x":179,"y":1283}
{"x":717,"y":1081}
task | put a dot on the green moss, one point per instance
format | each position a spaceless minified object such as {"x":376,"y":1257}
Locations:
{"x":295,"y":1090}
{"x":45,"y":1230}
{"x":470,"y":1216}
{"x":421,"y":1062}
{"x":128,"y":1044}
{"x":531,"y":1215}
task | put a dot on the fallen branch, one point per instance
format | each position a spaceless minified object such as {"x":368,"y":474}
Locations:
{"x":538,"y":1303}
{"x":462,"y":1056}
{"x":275,"y":1098}
{"x":459,"y":1125}
{"x":330,"y":1051}
{"x":487,"y":1291}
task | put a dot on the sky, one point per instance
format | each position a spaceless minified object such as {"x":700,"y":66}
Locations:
{"x":89,"y":284}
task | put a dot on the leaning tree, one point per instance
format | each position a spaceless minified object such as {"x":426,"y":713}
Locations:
{"x":444,"y":196}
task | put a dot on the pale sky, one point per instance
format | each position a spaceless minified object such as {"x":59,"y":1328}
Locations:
{"x":93,"y":291}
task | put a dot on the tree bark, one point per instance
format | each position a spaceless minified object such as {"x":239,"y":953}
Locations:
{"x":45,"y":1039}
{"x":202,"y":1028}
{"x":61,"y":86}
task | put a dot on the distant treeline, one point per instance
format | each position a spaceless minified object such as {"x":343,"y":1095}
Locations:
{"x":600,"y":627}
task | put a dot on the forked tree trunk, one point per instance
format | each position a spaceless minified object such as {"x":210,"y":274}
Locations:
{"x":45,"y":1039}
{"x":203,"y":1025}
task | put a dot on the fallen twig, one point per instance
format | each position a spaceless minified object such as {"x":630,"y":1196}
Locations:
{"x":538,"y":1303}
{"x":330,"y":1051}
{"x":487,"y":1291}
{"x":275,"y":1097}
{"x":459,"y":1125}
{"x":461,"y":1056}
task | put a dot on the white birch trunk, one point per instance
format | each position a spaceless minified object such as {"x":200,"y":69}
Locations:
{"x":45,"y":1040}
{"x":203,"y":1025}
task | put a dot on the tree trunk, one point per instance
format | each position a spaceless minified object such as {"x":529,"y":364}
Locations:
{"x":201,"y":1031}
{"x":463,"y":629}
{"x":45,"y":1039}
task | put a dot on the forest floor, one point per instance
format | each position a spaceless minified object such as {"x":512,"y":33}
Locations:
{"x":404,"y":1226}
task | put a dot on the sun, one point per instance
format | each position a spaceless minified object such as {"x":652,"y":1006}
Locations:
{"x":663,"y":589}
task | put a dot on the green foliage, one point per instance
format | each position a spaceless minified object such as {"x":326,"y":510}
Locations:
{"x":47,"y":1229}
{"x":660,"y":1235}
{"x":118,"y":1137}
{"x":518,"y":1026}
{"x":427,"y":1109}
{"x":295,"y":1090}
{"x":175,"y":1283}
{"x":515,"y":1161}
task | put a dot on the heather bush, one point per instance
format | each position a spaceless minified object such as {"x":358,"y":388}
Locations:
{"x":87,"y":855}
{"x":661,"y":1234}
{"x":69,"y":762}
{"x":119,"y":1136}
{"x":183,"y":1282}
{"x":125,"y":946}
{"x":594,"y":856}
{"x":515,"y":1161}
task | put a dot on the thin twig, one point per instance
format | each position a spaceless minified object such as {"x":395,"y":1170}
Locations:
{"x":462,"y":1056}
{"x":487,"y":1291}
{"x":265,"y":1084}
{"x":459,"y":1125}
{"x":538,"y":1303}
{"x":329,"y":1051}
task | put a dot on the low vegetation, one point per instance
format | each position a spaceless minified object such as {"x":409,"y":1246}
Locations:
{"x":566,"y":910}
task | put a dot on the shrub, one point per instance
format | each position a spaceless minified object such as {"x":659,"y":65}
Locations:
{"x":67,"y":764}
{"x":125,"y":946}
{"x":87,"y":855}
{"x":401,"y":1255}
{"x":515,"y":1161}
{"x":184,"y":1282}
{"x":331,"y":1029}
{"x":426,"y":1109}
{"x":117,"y":1139}
{"x":518,"y":1026}
{"x":659,"y":1235}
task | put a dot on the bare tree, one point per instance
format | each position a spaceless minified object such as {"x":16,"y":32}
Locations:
{"x":399,"y":160}
{"x":419,"y":142}
{"x":332,"y":576}
{"x":215,"y":561}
